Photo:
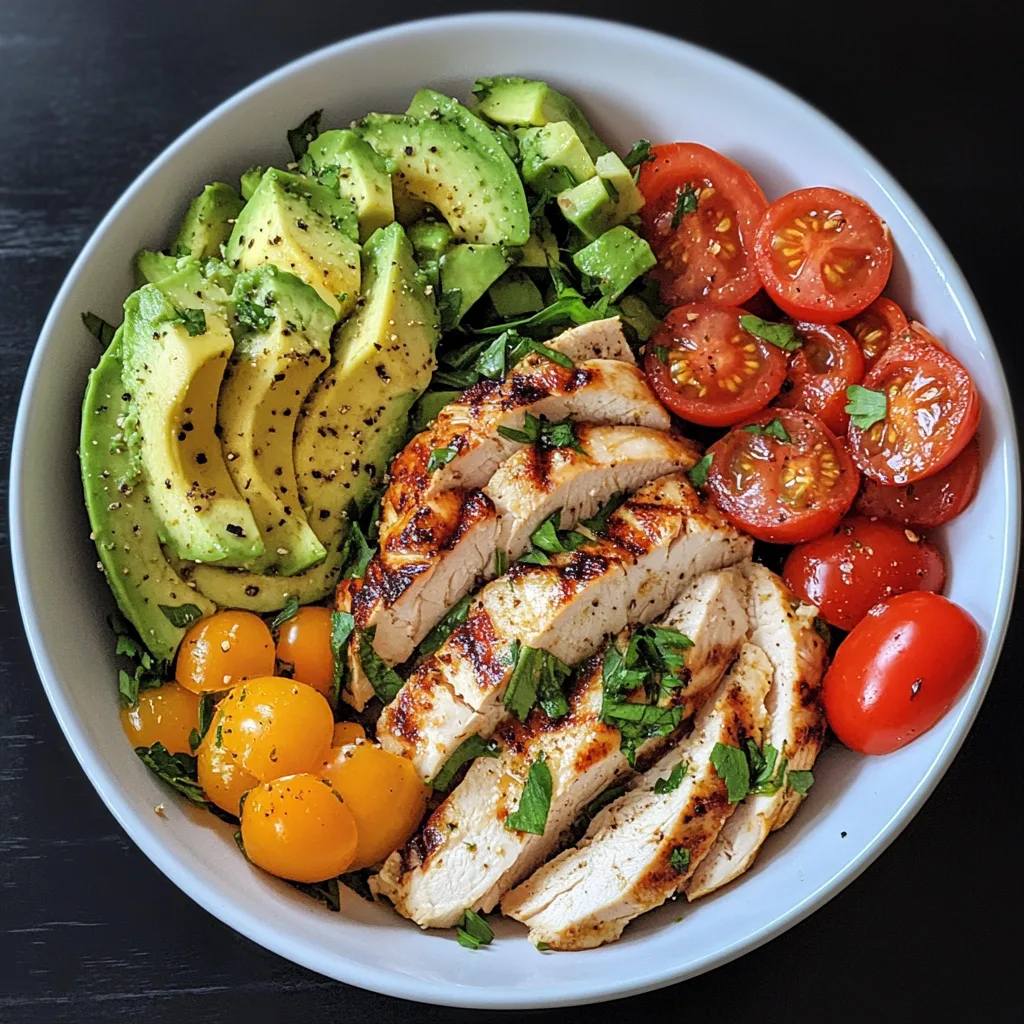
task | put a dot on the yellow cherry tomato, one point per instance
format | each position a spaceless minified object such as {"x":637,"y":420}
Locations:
{"x":276,"y":726}
{"x":304,"y":642}
{"x":384,"y":793}
{"x":299,"y":828}
{"x":222,"y":650}
{"x":347,"y":732}
{"x":221,"y":774}
{"x":165,"y":714}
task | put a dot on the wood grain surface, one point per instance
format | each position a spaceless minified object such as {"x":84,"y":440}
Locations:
{"x":90,"y":92}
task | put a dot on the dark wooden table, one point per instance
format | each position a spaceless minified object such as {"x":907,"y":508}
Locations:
{"x":90,"y":92}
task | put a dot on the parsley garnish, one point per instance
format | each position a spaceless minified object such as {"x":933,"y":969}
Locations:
{"x":601,"y":801}
{"x":598,"y":523}
{"x":731,"y":765}
{"x":194,"y":321}
{"x":99,"y":328}
{"x":532,"y":813}
{"x":801,"y":781}
{"x":304,"y":133}
{"x":342,"y":627}
{"x":680,"y":859}
{"x":500,"y":562}
{"x":782,"y":336}
{"x":181,"y":615}
{"x":698,"y":476}
{"x":147,"y":672}
{"x":177,"y":770}
{"x":609,"y":187}
{"x":686,"y":202}
{"x":639,"y":153}
{"x":547,"y":537}
{"x":473,"y":931}
{"x":866,"y":407}
{"x":764,"y":780}
{"x":455,"y":616}
{"x":386,"y":682}
{"x":775,"y":428}
{"x":359,"y":553}
{"x":673,"y":780}
{"x":537,"y":676}
{"x":252,"y":314}
{"x":543,"y":431}
{"x":440,"y":457}
{"x":288,"y":612}
{"x":468,"y":750}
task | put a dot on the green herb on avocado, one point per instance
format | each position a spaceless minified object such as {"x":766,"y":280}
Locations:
{"x":866,"y":407}
{"x":253,"y":315}
{"x":782,"y":336}
{"x":698,"y":476}
{"x":468,"y":750}
{"x":99,"y":328}
{"x":181,"y":615}
{"x":304,"y":133}
{"x":532,"y":813}
{"x":194,"y":321}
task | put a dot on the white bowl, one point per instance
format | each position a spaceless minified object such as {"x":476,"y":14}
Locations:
{"x":633,"y":84}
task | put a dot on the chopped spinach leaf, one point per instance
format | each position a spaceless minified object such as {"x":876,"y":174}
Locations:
{"x":731,"y":765}
{"x":532,"y":813}
{"x":455,"y":616}
{"x":177,"y":770}
{"x":673,"y":780}
{"x":468,"y":750}
{"x":386,"y":682}
{"x":304,"y":133}
{"x":449,"y":306}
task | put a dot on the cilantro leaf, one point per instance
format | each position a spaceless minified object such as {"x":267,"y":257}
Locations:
{"x":539,"y":429}
{"x":801,"y":781}
{"x":765,"y":780}
{"x":782,"y":336}
{"x":99,"y":328}
{"x":252,"y":315}
{"x":532,"y":813}
{"x":386,"y":682}
{"x":177,"y":770}
{"x":698,"y":476}
{"x":550,"y":692}
{"x":181,"y":615}
{"x":194,"y":321}
{"x":680,"y":859}
{"x":468,"y":750}
{"x":673,"y":780}
{"x":342,"y":627}
{"x":534,"y":557}
{"x":686,"y":202}
{"x":775,"y":428}
{"x":440,"y":457}
{"x":288,"y":612}
{"x":455,"y":616}
{"x":598,"y":523}
{"x":731,"y":765}
{"x":866,"y":407}
{"x":639,"y":153}
{"x":537,"y":675}
{"x":304,"y":133}
{"x":473,"y":931}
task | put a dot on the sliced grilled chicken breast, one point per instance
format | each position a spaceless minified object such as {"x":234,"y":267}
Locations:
{"x":531,"y":485}
{"x":641,"y":848}
{"x":658,"y":540}
{"x":784,"y":628}
{"x":464,"y":856}
{"x":600,"y":339}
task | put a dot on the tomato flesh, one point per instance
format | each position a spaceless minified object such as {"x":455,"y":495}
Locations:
{"x":820,"y":371}
{"x":822,"y":255}
{"x":221,"y":650}
{"x":861,"y":562}
{"x":304,"y":643}
{"x":783,"y":492}
{"x":876,"y":327}
{"x":929,"y":502}
{"x":899,"y":671}
{"x":707,"y":369}
{"x":932,"y":411}
{"x":703,"y":253}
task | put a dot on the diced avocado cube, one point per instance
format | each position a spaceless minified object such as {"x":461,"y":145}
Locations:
{"x":343,"y":157}
{"x":208,"y":223}
{"x":430,"y":237}
{"x":249,"y":181}
{"x":605,"y":200}
{"x":554,"y":158}
{"x":521,"y":103}
{"x":615,"y":260}
{"x":467,"y":271}
{"x":515,"y":294}
{"x":541,"y":249}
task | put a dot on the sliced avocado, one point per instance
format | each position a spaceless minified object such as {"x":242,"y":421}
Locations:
{"x":541,"y":248}
{"x":174,"y":359}
{"x":283,"y":343}
{"x":151,"y":267}
{"x":188,"y":283}
{"x":554,"y":158}
{"x":361,"y":175}
{"x":208,"y":223}
{"x":515,"y":294}
{"x":604,"y":200}
{"x":250,"y":181}
{"x":355,"y":418}
{"x":302,"y":227}
{"x":475,"y":189}
{"x":121,"y":517}
{"x":467,"y":271}
{"x":521,"y":102}
{"x":615,"y":260}
{"x":430,"y":238}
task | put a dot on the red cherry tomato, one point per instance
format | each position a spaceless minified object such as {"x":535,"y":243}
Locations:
{"x":700,"y":213}
{"x":929,"y":502}
{"x":822,"y":255}
{"x":820,"y":371}
{"x":932,"y":410}
{"x":707,"y":369}
{"x":900,"y":671}
{"x":785,"y":481}
{"x":861,"y":562}
{"x":876,"y":327}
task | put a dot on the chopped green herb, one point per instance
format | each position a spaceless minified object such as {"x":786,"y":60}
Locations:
{"x":680,"y":859}
{"x":601,"y":801}
{"x":288,"y":612}
{"x":598,"y":523}
{"x":534,"y":557}
{"x":639,"y":153}
{"x":252,"y":315}
{"x":449,"y":305}
{"x":764,"y":780}
{"x":358,"y":882}
{"x":866,"y":407}
{"x":547,"y":537}
{"x":801,"y":781}
{"x":359,"y":553}
{"x":782,"y":336}
{"x":673,"y":780}
{"x":568,"y":307}
{"x":775,"y":428}
{"x":342,"y":626}
{"x":639,"y":722}
{"x":686,"y":202}
{"x":660,"y":353}
{"x":194,"y":321}
{"x":304,"y":133}
{"x":455,"y":616}
{"x":542,"y":947}
{"x":177,"y":770}
{"x":467,"y":940}
{"x":386,"y":682}
{"x":532,"y":813}
{"x":549,"y":435}
{"x":731,"y":765}
{"x":181,"y":615}
{"x":609,"y":187}
{"x":500,"y":562}
{"x":698,"y":476}
{"x":99,"y":328}
{"x":440,"y":457}
{"x":147,"y":672}
{"x":475,"y":929}
{"x":323,"y":892}
{"x":468,"y":750}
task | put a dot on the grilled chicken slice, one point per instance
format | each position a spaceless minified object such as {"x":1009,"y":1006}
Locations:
{"x":600,"y":339}
{"x":464,"y":856}
{"x":784,"y":628}
{"x":627,"y":863}
{"x":531,"y":485}
{"x":658,"y":540}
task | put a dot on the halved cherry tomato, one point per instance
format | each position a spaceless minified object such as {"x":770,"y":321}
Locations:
{"x":707,"y":369}
{"x":823,"y":255}
{"x":221,"y":774}
{"x":820,"y":371}
{"x":932,"y":411}
{"x":223,"y":649}
{"x":700,"y":213}
{"x":346,"y":733}
{"x":876,"y":327}
{"x":899,"y":671}
{"x":861,"y":562}
{"x":304,"y":642}
{"x":165,"y":714}
{"x":929,"y":502}
{"x":787,"y":490}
